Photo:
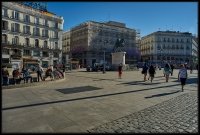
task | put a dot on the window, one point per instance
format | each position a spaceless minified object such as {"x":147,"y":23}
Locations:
{"x":36,"y":53}
{"x":177,"y":47}
{"x":164,"y":40}
{"x":55,"y":34}
{"x":164,"y":46}
{"x":188,"y":41}
{"x":26,"y":18}
{"x":36,"y":43}
{"x":36,"y":20}
{"x":4,"y":12}
{"x":177,"y":40}
{"x":4,"y":25}
{"x":36,"y":31}
{"x":15,"y":15}
{"x":45,"y":54}
{"x":172,"y":40}
{"x":173,"y":46}
{"x":45,"y":44}
{"x":56,"y":25}
{"x":15,"y":40}
{"x":27,"y":52}
{"x":27,"y":41}
{"x":56,"y":45}
{"x":182,"y":47}
{"x":15,"y":27}
{"x":168,"y":40}
{"x":46,"y":23}
{"x":4,"y":38}
{"x":45,"y":33}
{"x":181,"y":40}
{"x":27,"y":29}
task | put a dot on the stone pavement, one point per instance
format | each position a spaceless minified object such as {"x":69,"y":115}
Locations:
{"x":177,"y":115}
{"x":95,"y":102}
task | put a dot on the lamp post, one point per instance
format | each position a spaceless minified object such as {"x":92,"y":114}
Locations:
{"x":161,"y":50}
{"x":104,"y":57}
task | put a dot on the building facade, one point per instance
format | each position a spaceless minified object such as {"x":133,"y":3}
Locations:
{"x":30,"y":36}
{"x":89,"y":40}
{"x":171,"y":46}
{"x":66,"y":47}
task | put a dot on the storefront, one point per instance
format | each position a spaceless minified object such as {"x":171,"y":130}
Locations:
{"x":30,"y":63}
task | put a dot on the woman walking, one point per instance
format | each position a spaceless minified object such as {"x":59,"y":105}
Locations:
{"x":152,"y":72}
{"x":167,"y":71}
{"x":182,"y":75}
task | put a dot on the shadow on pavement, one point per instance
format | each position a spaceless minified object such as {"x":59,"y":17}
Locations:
{"x":189,"y":81}
{"x":163,"y":94}
{"x":82,"y":98}
{"x":140,"y":83}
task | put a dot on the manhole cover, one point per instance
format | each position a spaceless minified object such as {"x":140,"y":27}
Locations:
{"x":78,"y":89}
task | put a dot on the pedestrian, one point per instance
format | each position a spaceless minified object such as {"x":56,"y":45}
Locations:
{"x":5,"y":75}
{"x":172,"y":69}
{"x":167,"y":71}
{"x":27,"y":76}
{"x":40,"y":71}
{"x":182,"y":75}
{"x":144,"y":71}
{"x":191,"y":68}
{"x":151,"y":72}
{"x":49,"y":73}
{"x":120,"y":71}
{"x":16,"y":76}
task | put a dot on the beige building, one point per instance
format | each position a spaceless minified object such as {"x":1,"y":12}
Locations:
{"x":90,"y":39}
{"x":30,"y":36}
{"x":171,"y":46}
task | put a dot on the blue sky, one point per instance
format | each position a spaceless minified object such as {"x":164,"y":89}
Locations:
{"x":148,"y":17}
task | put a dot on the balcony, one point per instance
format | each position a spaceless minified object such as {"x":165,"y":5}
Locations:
{"x":26,"y":33}
{"x":12,"y":45}
{"x":15,"y":31}
{"x":5,"y":15}
{"x":37,"y":35}
{"x":45,"y":36}
{"x":5,"y":29}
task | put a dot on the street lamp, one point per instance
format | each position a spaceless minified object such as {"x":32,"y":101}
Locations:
{"x":104,"y":57}
{"x":160,"y":50}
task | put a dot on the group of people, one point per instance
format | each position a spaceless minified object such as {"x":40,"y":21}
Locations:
{"x":167,"y":70}
{"x":25,"y":74}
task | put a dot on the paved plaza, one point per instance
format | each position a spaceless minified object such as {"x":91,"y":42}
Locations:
{"x":92,"y":102}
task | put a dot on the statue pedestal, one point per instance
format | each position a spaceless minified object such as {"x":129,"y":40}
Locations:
{"x":117,"y":58}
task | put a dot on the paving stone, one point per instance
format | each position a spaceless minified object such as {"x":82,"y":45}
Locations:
{"x":156,"y":123}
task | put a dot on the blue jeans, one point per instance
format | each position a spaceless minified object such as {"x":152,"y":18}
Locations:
{"x":5,"y":81}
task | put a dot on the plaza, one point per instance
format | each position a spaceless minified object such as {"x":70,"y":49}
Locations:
{"x":92,"y":102}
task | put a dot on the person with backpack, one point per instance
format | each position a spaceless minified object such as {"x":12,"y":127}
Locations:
{"x":182,"y":75}
{"x":151,"y":72}
{"x":144,"y":71}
